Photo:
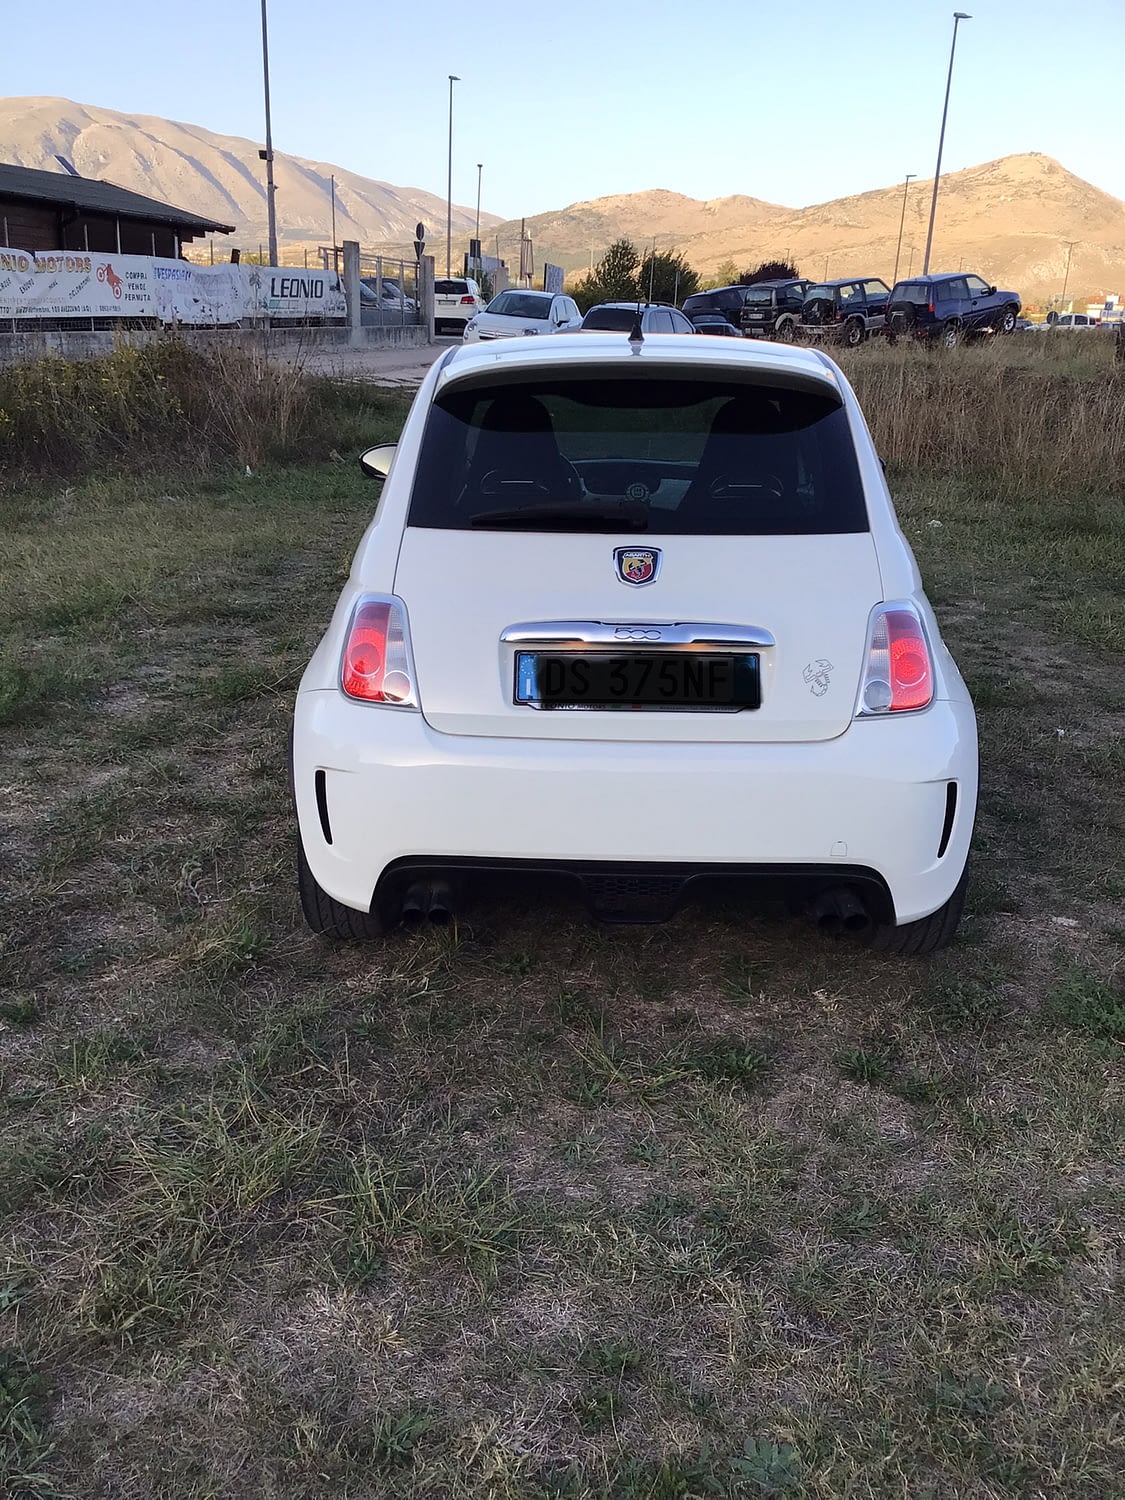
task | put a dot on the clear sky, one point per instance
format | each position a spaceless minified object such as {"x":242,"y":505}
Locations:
{"x":795,"y":103}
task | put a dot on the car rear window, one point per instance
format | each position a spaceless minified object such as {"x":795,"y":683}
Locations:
{"x":661,"y":454}
{"x":912,"y":291}
{"x":759,"y":294}
{"x":451,"y":288}
{"x":615,"y":319}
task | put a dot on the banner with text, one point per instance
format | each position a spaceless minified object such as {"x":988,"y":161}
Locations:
{"x":62,"y":284}
{"x":65,"y":284}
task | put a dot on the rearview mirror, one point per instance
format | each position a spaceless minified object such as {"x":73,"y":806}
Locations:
{"x":992,"y":291}
{"x":377,"y":461}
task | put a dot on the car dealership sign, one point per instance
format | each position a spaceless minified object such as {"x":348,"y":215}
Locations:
{"x":66,"y":284}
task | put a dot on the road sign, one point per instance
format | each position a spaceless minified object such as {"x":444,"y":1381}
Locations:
{"x":419,"y":240}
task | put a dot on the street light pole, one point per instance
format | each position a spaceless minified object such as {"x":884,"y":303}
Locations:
{"x":480,"y":169}
{"x":449,"y":188}
{"x":1070,"y":244}
{"x":910,"y":176}
{"x":271,"y":208}
{"x":335,"y":261}
{"x":958,"y":17}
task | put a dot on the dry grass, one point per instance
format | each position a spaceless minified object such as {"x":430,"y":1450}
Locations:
{"x":147,"y":407}
{"x":533,"y":1209}
{"x":1033,"y":412}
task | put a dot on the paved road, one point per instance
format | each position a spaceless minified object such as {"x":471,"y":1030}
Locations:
{"x":395,"y":368}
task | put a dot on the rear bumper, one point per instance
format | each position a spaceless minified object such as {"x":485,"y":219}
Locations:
{"x":396,"y":792}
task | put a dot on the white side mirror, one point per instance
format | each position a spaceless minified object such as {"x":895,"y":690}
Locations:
{"x":377,"y":461}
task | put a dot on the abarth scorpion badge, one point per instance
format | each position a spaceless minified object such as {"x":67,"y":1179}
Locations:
{"x":637,"y":565}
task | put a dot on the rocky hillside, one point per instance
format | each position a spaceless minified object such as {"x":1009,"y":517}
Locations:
{"x":1009,"y":220}
{"x":219,"y":176}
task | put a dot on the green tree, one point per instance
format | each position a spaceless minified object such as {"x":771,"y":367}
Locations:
{"x":726,"y":274}
{"x":613,"y":279}
{"x":666,"y":277}
{"x":769,"y":270}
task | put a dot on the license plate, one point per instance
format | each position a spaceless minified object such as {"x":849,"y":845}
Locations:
{"x":643,"y":680}
{"x":758,"y":317}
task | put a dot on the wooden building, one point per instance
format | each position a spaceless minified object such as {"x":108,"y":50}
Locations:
{"x":55,"y":211}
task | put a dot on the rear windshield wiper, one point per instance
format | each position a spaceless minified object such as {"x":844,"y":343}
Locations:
{"x":556,"y":516}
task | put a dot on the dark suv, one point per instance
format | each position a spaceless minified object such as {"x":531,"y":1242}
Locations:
{"x":848,"y":310}
{"x":727,"y":301}
{"x":772,"y":309}
{"x":950,"y":308}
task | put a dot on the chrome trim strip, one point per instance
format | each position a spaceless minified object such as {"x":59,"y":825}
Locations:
{"x":619,"y":633}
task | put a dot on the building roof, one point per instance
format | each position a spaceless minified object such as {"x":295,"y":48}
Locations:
{"x":98,"y":197}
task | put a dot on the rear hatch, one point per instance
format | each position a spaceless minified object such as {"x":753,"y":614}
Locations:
{"x":453,"y":299}
{"x":742,"y":502}
{"x":759,"y":309}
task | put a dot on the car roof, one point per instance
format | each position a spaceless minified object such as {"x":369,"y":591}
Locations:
{"x":671,"y":351}
{"x":644,"y":306}
{"x":530,"y":291}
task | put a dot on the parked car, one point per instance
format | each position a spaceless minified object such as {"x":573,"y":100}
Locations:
{"x":388,"y":294}
{"x":621,"y":317}
{"x":501,"y":693}
{"x":519,"y":312}
{"x":846,"y":310}
{"x":1072,"y":321}
{"x":950,"y":308}
{"x":725,"y":301}
{"x":457,"y":299}
{"x":772,"y":309}
{"x":714,"y":324}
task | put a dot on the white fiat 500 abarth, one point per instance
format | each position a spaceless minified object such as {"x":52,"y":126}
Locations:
{"x":635,"y":614}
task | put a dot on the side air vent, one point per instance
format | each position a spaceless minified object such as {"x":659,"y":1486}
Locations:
{"x":950,"y":814}
{"x":322,"y":806}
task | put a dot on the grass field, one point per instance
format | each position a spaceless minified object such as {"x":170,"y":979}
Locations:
{"x":531,"y":1208}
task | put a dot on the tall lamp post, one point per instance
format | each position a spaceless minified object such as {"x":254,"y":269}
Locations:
{"x":453,"y":78}
{"x":480,"y":169}
{"x":267,"y":154}
{"x":910,"y":176}
{"x":958,"y":17}
{"x":1070,"y":244}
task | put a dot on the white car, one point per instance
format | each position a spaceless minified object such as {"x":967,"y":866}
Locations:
{"x":515,"y":312}
{"x":457,"y":299}
{"x":1069,"y":321}
{"x":637,"y":617}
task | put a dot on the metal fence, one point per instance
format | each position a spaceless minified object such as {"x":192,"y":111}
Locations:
{"x":389,"y":291}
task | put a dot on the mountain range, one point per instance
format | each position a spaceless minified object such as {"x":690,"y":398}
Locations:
{"x":220,"y":176}
{"x":1009,"y":220}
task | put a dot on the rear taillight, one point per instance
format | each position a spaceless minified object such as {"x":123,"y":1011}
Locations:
{"x":376,"y":665}
{"x":931,"y":309}
{"x":467,"y":301}
{"x":898,"y":673}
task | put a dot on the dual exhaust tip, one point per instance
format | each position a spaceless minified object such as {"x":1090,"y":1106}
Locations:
{"x":428,"y":901}
{"x":840,"y":910}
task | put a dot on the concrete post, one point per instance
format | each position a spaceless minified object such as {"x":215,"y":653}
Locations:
{"x":351,"y":290}
{"x":426,"y":295}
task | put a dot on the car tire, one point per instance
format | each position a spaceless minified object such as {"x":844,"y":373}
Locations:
{"x":328,"y":917}
{"x":853,"y":333}
{"x":952,"y":333}
{"x":928,"y":934}
{"x":785,"y":333}
{"x":1008,"y":320}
